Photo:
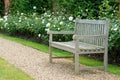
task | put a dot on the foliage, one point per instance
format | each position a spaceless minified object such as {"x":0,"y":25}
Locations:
{"x":85,"y":8}
{"x":118,"y":14}
{"x":114,"y":40}
{"x":79,"y":8}
{"x":28,"y":6}
{"x":34,"y":25}
{"x":60,"y":22}
{"x":107,"y":10}
{"x":24,"y":25}
{"x":1,"y":7}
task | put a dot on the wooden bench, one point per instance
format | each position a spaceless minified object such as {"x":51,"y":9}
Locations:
{"x":89,"y":37}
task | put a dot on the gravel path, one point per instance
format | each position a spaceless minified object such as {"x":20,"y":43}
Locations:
{"x":36,"y":64}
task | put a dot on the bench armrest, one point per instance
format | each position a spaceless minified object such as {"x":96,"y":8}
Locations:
{"x":60,"y":32}
{"x":88,"y":36}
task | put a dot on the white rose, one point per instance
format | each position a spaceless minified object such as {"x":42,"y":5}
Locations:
{"x":19,"y":20}
{"x":48,"y":25}
{"x":5,"y":18}
{"x":58,"y":29}
{"x":61,"y":23}
{"x":22,"y":13}
{"x":39,"y":35}
{"x":45,"y":14}
{"x":115,"y":29}
{"x":50,"y":19}
{"x":1,"y":19}
{"x":34,"y":7}
{"x":36,"y":18}
{"x":43,"y":21}
{"x":48,"y":15}
{"x":47,"y":29}
{"x":25,"y":18}
{"x":54,"y":26}
{"x":70,"y":18}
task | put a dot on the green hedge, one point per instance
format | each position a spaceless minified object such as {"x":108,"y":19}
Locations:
{"x":114,"y":41}
{"x":1,"y":7}
{"x":34,"y":25}
{"x":77,"y":8}
{"x":29,"y":6}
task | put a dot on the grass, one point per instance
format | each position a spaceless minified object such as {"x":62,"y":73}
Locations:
{"x":9,"y":72}
{"x":83,"y":60}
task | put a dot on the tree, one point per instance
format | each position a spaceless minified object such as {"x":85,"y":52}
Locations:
{"x":7,"y":6}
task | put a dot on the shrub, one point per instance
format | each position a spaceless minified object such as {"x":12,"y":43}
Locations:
{"x":84,"y":8}
{"x":28,"y":6}
{"x":1,"y":7}
{"x":108,"y":11}
{"x":114,"y":40}
{"x":58,"y":22}
{"x":34,"y":25}
{"x":23,"y":25}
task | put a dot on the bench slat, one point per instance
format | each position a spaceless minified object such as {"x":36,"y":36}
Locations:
{"x":83,"y":47}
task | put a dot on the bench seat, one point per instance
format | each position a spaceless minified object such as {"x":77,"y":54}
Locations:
{"x":84,"y":48}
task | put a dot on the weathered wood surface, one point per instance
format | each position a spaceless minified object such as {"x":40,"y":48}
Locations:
{"x":89,"y":37}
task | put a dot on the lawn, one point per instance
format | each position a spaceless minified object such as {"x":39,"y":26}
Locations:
{"x":9,"y":72}
{"x":83,"y":60}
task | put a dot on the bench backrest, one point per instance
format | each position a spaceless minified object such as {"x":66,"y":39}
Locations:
{"x":92,"y":28}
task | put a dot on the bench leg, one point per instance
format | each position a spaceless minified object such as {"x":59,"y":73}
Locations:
{"x":76,"y":63}
{"x":73,"y":58}
{"x":50,"y":54}
{"x":105,"y":61}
